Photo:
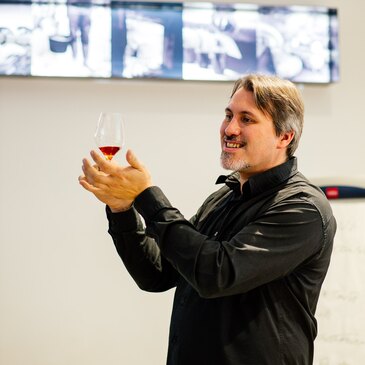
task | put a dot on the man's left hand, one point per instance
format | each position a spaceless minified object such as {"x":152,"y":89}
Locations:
{"x":112,"y":180}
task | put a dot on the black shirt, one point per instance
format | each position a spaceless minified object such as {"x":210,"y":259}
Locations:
{"x":247,"y":268}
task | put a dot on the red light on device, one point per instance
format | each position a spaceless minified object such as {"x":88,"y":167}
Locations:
{"x":332,"y":192}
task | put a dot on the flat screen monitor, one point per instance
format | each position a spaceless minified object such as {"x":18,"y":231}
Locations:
{"x":182,"y":41}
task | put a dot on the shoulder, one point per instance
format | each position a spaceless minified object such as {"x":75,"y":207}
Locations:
{"x":298,"y":190}
{"x":210,"y":203}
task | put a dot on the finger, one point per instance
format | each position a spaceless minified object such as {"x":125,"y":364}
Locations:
{"x":93,"y":188}
{"x":88,"y":186}
{"x":87,"y":165}
{"x":96,"y":167}
{"x":106,"y":166}
{"x":88,"y":170}
{"x":92,"y":174}
{"x":133,"y":160}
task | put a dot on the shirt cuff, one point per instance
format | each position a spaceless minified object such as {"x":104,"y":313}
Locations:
{"x":122,"y":222}
{"x":150,"y":202}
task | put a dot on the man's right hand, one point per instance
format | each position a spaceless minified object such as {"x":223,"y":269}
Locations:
{"x":115,"y":204}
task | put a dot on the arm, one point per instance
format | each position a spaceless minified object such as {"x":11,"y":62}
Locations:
{"x":271,"y":247}
{"x":139,"y":253}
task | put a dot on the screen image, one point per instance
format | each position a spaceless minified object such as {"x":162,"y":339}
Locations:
{"x":295,"y":43}
{"x":181,"y":41}
{"x":147,"y":41}
{"x":71,"y":40}
{"x":15,"y":39}
{"x":219,"y":43}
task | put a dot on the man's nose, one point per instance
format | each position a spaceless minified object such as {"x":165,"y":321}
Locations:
{"x":233,"y":128}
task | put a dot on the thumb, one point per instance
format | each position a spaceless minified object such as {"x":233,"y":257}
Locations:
{"x":133,"y":160}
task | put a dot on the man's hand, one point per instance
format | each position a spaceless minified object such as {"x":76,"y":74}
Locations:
{"x":115,"y":185}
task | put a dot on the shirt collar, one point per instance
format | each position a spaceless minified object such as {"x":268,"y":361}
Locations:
{"x":260,"y":182}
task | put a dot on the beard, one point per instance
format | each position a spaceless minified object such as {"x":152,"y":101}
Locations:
{"x":228,"y":162}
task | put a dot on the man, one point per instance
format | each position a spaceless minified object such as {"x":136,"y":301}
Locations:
{"x":248,"y":267}
{"x":79,"y":15}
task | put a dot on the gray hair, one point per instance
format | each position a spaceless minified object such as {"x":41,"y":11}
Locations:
{"x":278,"y":98}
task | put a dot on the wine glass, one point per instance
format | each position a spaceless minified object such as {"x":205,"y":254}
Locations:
{"x":109,"y":134}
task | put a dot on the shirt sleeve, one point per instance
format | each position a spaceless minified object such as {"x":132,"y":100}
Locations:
{"x":270,"y":247}
{"x":140,"y":253}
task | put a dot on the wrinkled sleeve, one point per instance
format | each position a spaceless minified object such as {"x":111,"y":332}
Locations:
{"x":140,"y":253}
{"x":266,"y":249}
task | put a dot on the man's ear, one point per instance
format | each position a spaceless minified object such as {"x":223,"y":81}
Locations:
{"x":285,"y":139}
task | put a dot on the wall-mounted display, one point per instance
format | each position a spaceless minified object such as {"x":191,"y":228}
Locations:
{"x":184,"y":41}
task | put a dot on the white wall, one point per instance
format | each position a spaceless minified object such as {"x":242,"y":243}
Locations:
{"x":65,"y":297}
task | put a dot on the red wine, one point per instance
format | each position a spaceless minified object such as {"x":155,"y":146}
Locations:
{"x":109,"y":151}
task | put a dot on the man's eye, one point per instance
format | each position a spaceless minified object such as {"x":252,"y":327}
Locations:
{"x":228,"y":117}
{"x":246,"y":120}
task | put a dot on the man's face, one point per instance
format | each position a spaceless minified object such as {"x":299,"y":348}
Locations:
{"x":248,"y":139}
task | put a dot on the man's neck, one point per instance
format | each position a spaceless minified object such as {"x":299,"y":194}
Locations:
{"x":245,"y":174}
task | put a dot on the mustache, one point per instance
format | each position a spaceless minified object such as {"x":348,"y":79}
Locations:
{"x":233,"y":139}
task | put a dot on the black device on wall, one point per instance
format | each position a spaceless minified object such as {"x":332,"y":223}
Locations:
{"x":184,"y":41}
